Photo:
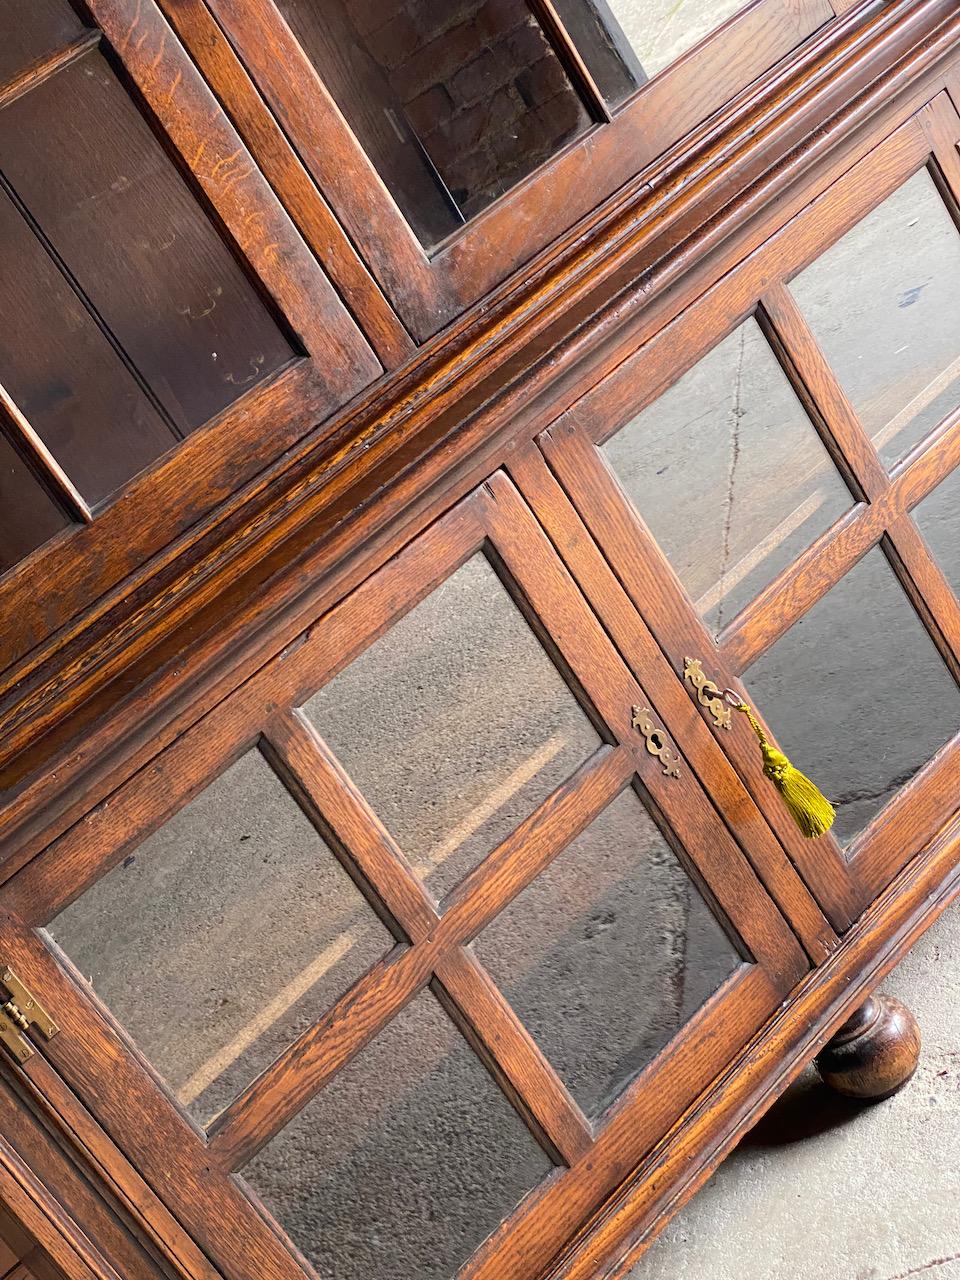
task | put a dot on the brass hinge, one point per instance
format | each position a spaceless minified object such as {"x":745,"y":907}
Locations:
{"x":20,"y":1012}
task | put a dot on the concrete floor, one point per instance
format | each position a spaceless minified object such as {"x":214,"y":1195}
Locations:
{"x":826,"y":1191}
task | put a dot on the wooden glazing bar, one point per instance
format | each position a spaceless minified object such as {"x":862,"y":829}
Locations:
{"x":56,"y":478}
{"x":529,"y":1080}
{"x":34,"y":75}
{"x":304,"y":1067}
{"x":314,"y":772}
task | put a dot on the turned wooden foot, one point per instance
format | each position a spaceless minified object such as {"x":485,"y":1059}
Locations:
{"x":874,"y":1053}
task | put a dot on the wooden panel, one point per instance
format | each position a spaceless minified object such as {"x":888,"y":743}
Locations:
{"x":28,"y":514}
{"x":87,"y":167}
{"x":32,"y":30}
{"x":65,"y":376}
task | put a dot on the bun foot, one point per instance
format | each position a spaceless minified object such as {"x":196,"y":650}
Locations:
{"x":874,"y":1053}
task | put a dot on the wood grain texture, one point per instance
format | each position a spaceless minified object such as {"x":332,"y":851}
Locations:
{"x":298,"y":576}
{"x":642,"y":654}
{"x":429,"y":292}
{"x":31,"y":38}
{"x":226,"y":74}
{"x":574,"y":270}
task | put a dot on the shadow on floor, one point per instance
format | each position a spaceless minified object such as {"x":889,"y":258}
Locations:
{"x":808,"y":1108}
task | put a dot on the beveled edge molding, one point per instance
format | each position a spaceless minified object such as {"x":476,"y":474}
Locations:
{"x":127,"y":662}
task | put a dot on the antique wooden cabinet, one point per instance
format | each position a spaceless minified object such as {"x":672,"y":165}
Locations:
{"x":414,"y":414}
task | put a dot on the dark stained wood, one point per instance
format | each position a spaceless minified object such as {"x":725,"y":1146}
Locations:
{"x":70,"y":577}
{"x":130,"y":233}
{"x":194,"y":23}
{"x":28,"y":513}
{"x":875,"y":1053}
{"x":491,"y":1025}
{"x":31,"y":34}
{"x":642,"y":654}
{"x":63,"y":374}
{"x":431,"y":292}
{"x":496,"y":519}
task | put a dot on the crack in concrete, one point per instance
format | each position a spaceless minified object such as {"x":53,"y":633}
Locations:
{"x":916,"y":1271}
{"x":736,"y":413}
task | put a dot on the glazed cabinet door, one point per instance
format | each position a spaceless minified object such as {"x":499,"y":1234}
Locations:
{"x":773,"y":479}
{"x":455,"y":141}
{"x":401,"y":958}
{"x":166,"y":331}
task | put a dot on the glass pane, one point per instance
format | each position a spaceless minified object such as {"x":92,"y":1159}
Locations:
{"x":626,"y":42}
{"x":857,"y":693}
{"x":938,"y":516}
{"x":405,"y":1162}
{"x":454,"y":724}
{"x":729,"y":473}
{"x":884,"y":304}
{"x":608,"y":953}
{"x":453,"y":103}
{"x":236,"y":918}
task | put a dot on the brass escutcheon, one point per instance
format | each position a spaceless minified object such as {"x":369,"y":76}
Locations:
{"x":709,"y":694}
{"x":656,"y":742}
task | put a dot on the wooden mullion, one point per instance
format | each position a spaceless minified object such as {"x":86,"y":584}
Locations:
{"x":304,"y":1067}
{"x":775,"y":609}
{"x":532,"y":846}
{"x":628,"y":1131}
{"x":315,"y":773}
{"x":660,"y":600}
{"x":29,"y":442}
{"x":490,"y":1024}
{"x":931,"y":593}
{"x":818,"y":386}
{"x":195,"y":126}
{"x":683,"y":806}
{"x":218,"y":61}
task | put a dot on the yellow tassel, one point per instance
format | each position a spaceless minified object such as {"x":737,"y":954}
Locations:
{"x":809,"y":807}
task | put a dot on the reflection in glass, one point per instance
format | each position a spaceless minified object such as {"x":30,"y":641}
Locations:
{"x":938,"y":517}
{"x":453,"y":103}
{"x":729,"y":474}
{"x":877,"y":701}
{"x":884,"y":304}
{"x":405,"y":1162}
{"x":626,"y":42}
{"x":608,"y":953}
{"x":224,"y":935}
{"x":454,"y":724}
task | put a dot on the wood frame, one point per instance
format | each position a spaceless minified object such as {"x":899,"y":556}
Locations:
{"x":638,"y":250}
{"x":843,"y":885}
{"x":192,"y":1173}
{"x":430,"y":288}
{"x":335,"y":360}
{"x":306,"y":537}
